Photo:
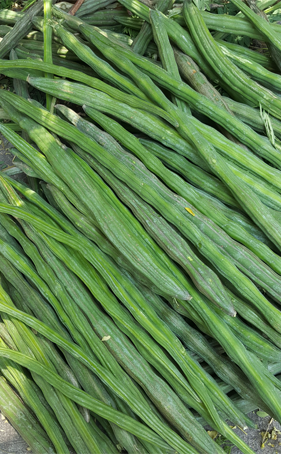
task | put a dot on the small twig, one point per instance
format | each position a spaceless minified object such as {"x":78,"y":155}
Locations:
{"x":214,"y":6}
{"x":266,"y":432}
{"x":73,"y":10}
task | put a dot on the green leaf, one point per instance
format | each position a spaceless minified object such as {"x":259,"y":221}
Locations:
{"x":28,"y":4}
{"x":224,"y":443}
{"x":6,"y":4}
{"x":275,"y":16}
{"x":262,"y":414}
{"x":202,"y":4}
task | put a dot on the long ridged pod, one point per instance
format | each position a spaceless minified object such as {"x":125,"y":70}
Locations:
{"x":183,"y":364}
{"x":224,"y":428}
{"x":90,"y":81}
{"x":37,"y":46}
{"x":48,"y":45}
{"x":81,"y":436}
{"x":236,"y":25}
{"x":198,"y":177}
{"x":32,"y":395}
{"x":190,"y":71}
{"x":265,"y":28}
{"x":20,"y":86}
{"x":65,"y":410}
{"x":44,"y":270}
{"x":122,"y":318}
{"x":21,"y":28}
{"x":257,"y":298}
{"x":197,"y":101}
{"x":141,"y":190}
{"x":87,"y":437}
{"x":195,"y":341}
{"x":240,"y":159}
{"x":136,"y":367}
{"x":252,"y":204}
{"x":176,"y":162}
{"x":266,"y":78}
{"x":35,"y":198}
{"x":79,"y":94}
{"x":91,"y":232}
{"x":263,"y":190}
{"x":4,"y":29}
{"x":54,"y":381}
{"x":81,"y":397}
{"x":91,"y":6}
{"x":177,"y":34}
{"x":68,"y":64}
{"x":24,"y":267}
{"x":235,"y":153}
{"x":108,"y":143}
{"x":227,"y":71}
{"x":102,"y":68}
{"x":250,"y":365}
{"x":10,"y":17}
{"x":143,"y":212}
{"x":145,"y":35}
{"x":235,"y":49}
{"x":254,"y":341}
{"x":89,"y":382}
{"x":251,"y":116}
{"x":111,"y":18}
{"x":166,"y":52}
{"x":142,"y":40}
{"x":250,"y":315}
{"x":157,"y":229}
{"x":108,"y":198}
{"x":22,"y":420}
{"x":41,"y":310}
{"x":36,"y":302}
{"x":4,"y":234}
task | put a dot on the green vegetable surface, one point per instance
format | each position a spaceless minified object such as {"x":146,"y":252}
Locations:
{"x":140,"y":224}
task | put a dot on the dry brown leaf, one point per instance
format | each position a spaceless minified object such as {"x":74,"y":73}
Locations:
{"x":213,"y":434}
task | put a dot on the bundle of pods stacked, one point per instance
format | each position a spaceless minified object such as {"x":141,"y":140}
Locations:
{"x":140,"y":258}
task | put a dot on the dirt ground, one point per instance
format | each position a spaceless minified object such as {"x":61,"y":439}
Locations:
{"x":5,"y":156}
